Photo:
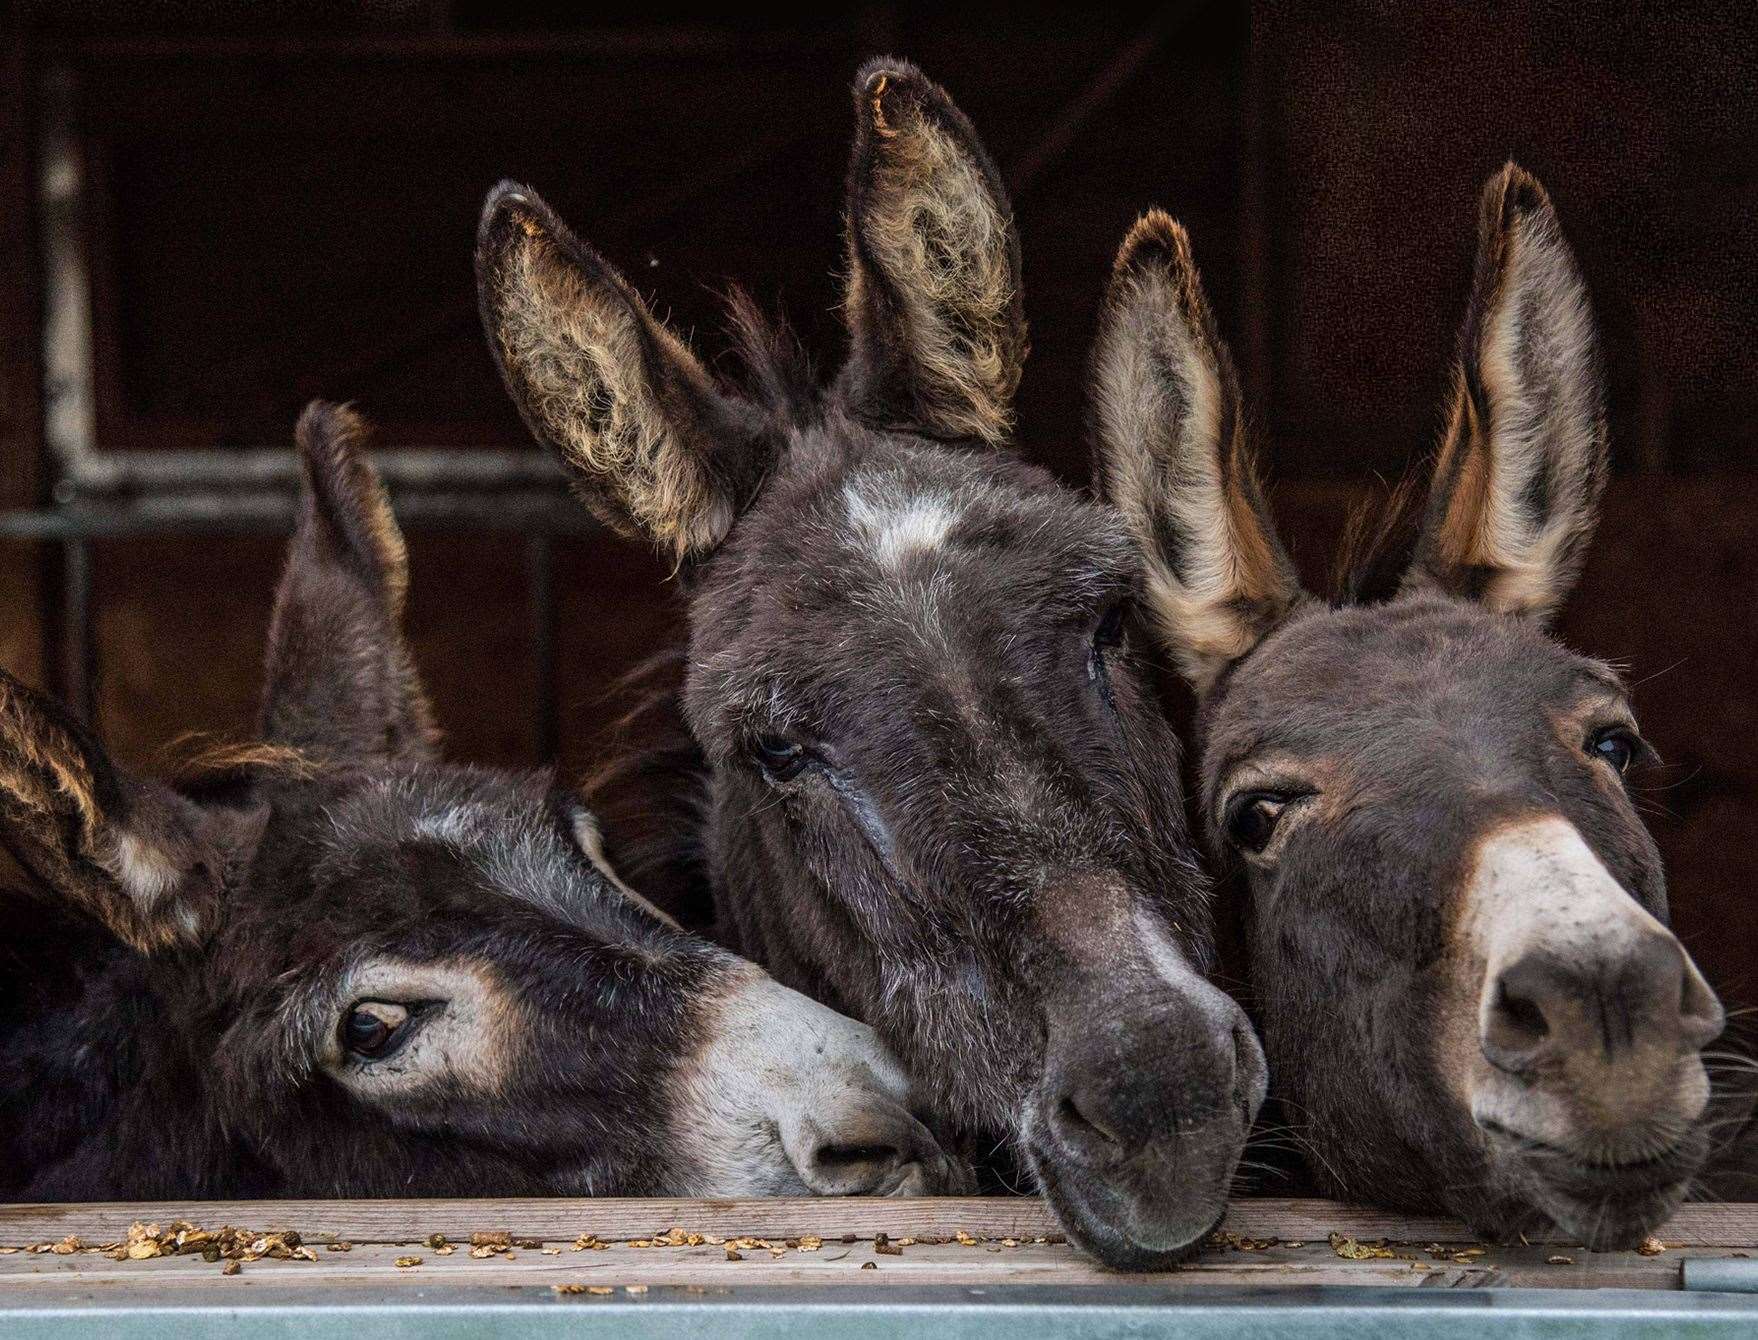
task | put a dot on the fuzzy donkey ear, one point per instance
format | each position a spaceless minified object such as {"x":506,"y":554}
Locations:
{"x":147,"y":863}
{"x":933,"y":300}
{"x":655,"y":447}
{"x":341,"y":686}
{"x":1520,"y":471}
{"x":1171,"y":455}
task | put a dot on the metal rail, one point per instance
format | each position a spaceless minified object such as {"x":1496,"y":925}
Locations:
{"x":1006,"y":1312}
{"x":100,"y":494}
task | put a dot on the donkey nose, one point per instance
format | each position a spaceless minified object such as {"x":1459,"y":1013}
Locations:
{"x":1129,"y":1083}
{"x":1090,"y":1128}
{"x":1648,"y":995}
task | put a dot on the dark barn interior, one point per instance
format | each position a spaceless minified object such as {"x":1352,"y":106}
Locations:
{"x":273,"y":202}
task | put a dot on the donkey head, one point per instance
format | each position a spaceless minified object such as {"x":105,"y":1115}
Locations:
{"x":1458,"y":920}
{"x":943,"y":797}
{"x":376,"y":974}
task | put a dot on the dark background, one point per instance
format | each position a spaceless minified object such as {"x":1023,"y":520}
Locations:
{"x":283,"y":199}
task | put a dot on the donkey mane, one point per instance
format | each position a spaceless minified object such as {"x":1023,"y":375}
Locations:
{"x":774,"y":369}
{"x":1379,"y":541}
{"x":651,"y":792}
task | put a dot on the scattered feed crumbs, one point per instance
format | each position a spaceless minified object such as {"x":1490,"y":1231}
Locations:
{"x":600,"y":1289}
{"x":404,"y":1262}
{"x":1651,"y":1246}
{"x":885,"y":1246}
{"x":1240,"y":1243}
{"x":672,"y":1237}
{"x":1559,"y":1260}
{"x":1351,"y":1250}
{"x":182,"y":1238}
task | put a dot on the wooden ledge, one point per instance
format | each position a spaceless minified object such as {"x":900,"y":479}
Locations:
{"x":629,"y":1247}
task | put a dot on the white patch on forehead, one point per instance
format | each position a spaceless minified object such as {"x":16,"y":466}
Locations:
{"x":779,"y":1078}
{"x":453,"y":824}
{"x":892,"y":523}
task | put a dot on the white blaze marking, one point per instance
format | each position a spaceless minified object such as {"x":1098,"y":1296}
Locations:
{"x":894,"y":525}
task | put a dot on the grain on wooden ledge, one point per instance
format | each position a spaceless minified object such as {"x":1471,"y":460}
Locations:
{"x":557,"y":1220}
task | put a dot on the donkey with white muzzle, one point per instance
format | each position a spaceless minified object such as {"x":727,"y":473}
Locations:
{"x":1467,"y":988}
{"x":336,"y":966}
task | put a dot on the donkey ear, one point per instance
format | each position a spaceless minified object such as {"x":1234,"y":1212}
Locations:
{"x":655,"y":448}
{"x":1523,"y":463}
{"x":147,"y":863}
{"x":341,"y":685}
{"x":1171,"y":455}
{"x":933,"y":298}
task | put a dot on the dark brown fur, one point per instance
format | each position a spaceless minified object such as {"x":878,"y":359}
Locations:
{"x":1356,"y":759}
{"x":940,"y":795}
{"x":175,"y":994}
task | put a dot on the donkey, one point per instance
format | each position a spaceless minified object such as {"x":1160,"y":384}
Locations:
{"x":338,"y":967}
{"x":941,"y":796}
{"x":1456,"y":919}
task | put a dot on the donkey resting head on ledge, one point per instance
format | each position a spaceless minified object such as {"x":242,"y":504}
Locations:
{"x":339,"y":967}
{"x":943,"y":796}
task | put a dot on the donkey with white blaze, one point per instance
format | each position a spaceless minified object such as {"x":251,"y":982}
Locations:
{"x":1467,"y":987}
{"x":941,"y":795}
{"x":336,"y":966}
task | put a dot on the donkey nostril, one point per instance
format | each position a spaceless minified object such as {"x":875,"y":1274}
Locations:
{"x":1522,"y":1015}
{"x":1518,"y":1026}
{"x":841,"y":1158}
{"x":1081,"y":1126}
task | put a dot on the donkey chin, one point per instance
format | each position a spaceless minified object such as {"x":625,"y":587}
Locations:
{"x":1148,"y":1213}
{"x":1137,"y":1127}
{"x":1607,"y":1170}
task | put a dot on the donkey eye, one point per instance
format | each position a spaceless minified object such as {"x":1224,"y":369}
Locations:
{"x":1252,"y":818}
{"x":1616,"y":746}
{"x":1110,"y":630}
{"x":780,"y":758}
{"x":371,"y":1028}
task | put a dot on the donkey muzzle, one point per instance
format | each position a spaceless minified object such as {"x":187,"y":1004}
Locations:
{"x":788,"y":1097}
{"x":1151,"y":1082}
{"x":1591,"y":1021}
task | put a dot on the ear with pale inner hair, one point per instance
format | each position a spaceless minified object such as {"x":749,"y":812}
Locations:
{"x":655,"y":448}
{"x":933,"y":294}
{"x":1171,"y":455}
{"x":1524,"y":460}
{"x":341,"y":686}
{"x":149,"y":864}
